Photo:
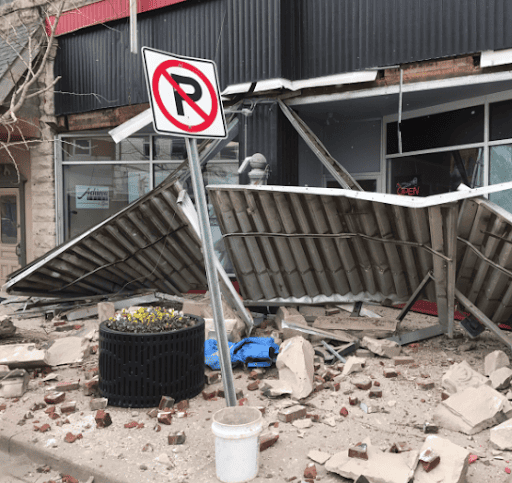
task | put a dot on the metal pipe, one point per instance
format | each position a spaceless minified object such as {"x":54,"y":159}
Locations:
{"x":211,"y":272}
{"x":333,"y":352}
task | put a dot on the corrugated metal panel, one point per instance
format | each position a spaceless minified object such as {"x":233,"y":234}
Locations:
{"x":98,"y":70}
{"x":484,"y":253}
{"x":304,"y":245}
{"x":148,"y":245}
{"x":350,"y":35}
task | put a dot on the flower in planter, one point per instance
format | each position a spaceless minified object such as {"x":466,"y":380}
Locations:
{"x":149,"y":320}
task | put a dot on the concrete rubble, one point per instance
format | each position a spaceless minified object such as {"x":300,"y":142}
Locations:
{"x":461,"y":376}
{"x":494,"y":361}
{"x":501,"y":436}
{"x":382,"y":347}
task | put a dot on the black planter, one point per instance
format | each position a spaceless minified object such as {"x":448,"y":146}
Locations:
{"x":136,"y":370}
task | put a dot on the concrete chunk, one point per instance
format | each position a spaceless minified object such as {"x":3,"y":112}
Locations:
{"x":353,"y":364}
{"x":380,"y":467}
{"x":500,"y":378}
{"x":317,"y":456}
{"x":494,"y":361}
{"x":21,"y":355}
{"x":453,"y":464}
{"x":382,"y":347}
{"x":461,"y":376}
{"x":501,"y":436}
{"x":472,"y":410}
{"x":66,"y":351}
{"x":295,"y":366}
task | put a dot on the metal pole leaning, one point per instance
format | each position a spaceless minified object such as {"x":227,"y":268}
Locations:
{"x":211,"y":272}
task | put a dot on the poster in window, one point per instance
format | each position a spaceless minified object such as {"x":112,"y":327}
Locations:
{"x":92,"y":197}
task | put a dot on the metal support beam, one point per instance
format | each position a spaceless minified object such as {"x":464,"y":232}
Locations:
{"x":414,"y":297}
{"x":475,"y":311}
{"x":340,"y":174}
{"x":417,"y":335}
{"x":211,"y":272}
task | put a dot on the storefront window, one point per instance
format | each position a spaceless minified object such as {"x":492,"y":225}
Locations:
{"x":500,"y":171}
{"x":9,"y":227}
{"x":100,"y":177}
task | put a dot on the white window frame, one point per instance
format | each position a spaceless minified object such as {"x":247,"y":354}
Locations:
{"x":440,"y":108}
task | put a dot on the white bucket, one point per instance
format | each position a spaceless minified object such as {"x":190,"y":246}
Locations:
{"x":237,"y":448}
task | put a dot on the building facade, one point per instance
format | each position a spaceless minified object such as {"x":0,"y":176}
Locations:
{"x":411,"y":97}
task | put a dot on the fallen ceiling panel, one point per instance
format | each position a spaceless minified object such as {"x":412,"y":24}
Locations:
{"x":150,"y":244}
{"x":317,"y":245}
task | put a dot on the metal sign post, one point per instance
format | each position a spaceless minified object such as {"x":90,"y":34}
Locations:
{"x":211,"y":272}
{"x":185,"y":101}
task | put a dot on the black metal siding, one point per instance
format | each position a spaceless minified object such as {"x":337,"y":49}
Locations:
{"x":253,"y":40}
{"x":99,"y":71}
{"x":351,"y":35}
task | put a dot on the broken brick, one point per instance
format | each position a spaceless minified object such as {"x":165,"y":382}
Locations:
{"x":212,"y":377}
{"x":176,"y":438}
{"x":182,"y":405}
{"x":388,"y":373}
{"x":153,"y":413}
{"x":376,"y":383}
{"x":165,"y":417}
{"x":358,"y":451}
{"x":444,"y":396}
{"x":243,"y":402}
{"x":310,"y":471}
{"x":239,"y":393}
{"x":425,"y":385}
{"x":69,"y":479}
{"x":290,"y":414}
{"x":91,"y":387}
{"x":44,"y":428}
{"x":253,"y":385}
{"x":400,"y":447}
{"x":344,"y":411}
{"x":363,"y":385}
{"x":209,"y":394}
{"x":353,"y":401}
{"x":69,"y":407}
{"x":102,"y":419}
{"x":157,"y":428}
{"x":35,"y":406}
{"x":54,"y":397}
{"x":268,"y":440}
{"x":429,"y":460}
{"x":403,"y":360}
{"x":3,"y":407}
{"x":131,"y":424}
{"x":53,"y":415}
{"x":71,"y":438}
{"x":166,"y":402}
{"x":256,"y":374}
{"x":67,"y":386}
{"x":261,"y":409}
{"x":314,"y":417}
{"x":375,"y":393}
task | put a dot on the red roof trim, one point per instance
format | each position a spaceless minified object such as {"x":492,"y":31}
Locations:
{"x":102,"y":11}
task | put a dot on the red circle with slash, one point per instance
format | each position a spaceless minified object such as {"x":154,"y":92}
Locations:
{"x":162,"y":71}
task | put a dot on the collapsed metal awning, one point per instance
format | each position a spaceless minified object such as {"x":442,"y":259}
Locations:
{"x":148,"y":245}
{"x":316,"y":245}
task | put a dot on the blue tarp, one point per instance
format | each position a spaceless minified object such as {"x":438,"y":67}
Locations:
{"x":255,"y":351}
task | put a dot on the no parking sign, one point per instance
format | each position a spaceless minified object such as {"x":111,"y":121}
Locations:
{"x":184,"y":95}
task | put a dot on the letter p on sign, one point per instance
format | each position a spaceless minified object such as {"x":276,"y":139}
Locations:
{"x":184,"y":95}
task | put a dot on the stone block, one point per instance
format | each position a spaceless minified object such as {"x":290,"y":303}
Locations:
{"x":501,"y":436}
{"x":461,"y":376}
{"x":452,"y":466}
{"x":295,"y":366}
{"x":292,"y":413}
{"x":382,"y":347}
{"x":472,"y":410}
{"x":500,"y":378}
{"x":494,"y":361}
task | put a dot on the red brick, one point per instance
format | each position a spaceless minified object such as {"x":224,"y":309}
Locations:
{"x":253,"y":386}
{"x":364,"y":385}
{"x":243,"y":402}
{"x":91,"y":387}
{"x":153,"y":413}
{"x":256,"y":375}
{"x":261,"y":409}
{"x":344,"y":411}
{"x":375,"y":393}
{"x":212,"y":377}
{"x":54,"y":397}
{"x":54,"y":415}
{"x":44,"y":428}
{"x":3,"y":407}
{"x":400,"y":447}
{"x":69,"y":407}
{"x":157,"y":428}
{"x":358,"y":451}
{"x":444,"y":396}
{"x":319,"y":379}
{"x":429,"y":460}
{"x":209,"y":394}
{"x":376,"y":383}
{"x":102,"y":419}
{"x":268,"y":440}
{"x":310,"y":471}
{"x":176,"y":438}
{"x":166,"y":402}
{"x":388,"y":373}
{"x":71,"y":438}
{"x":292,"y":413}
{"x":239,"y":393}
{"x":318,"y":387}
{"x":165,"y":417}
{"x":35,"y":406}
{"x":69,"y":479}
{"x":425,"y":385}
{"x":131,"y":424}
{"x":182,"y":405}
{"x":49,"y":410}
{"x":403,"y":360}
{"x":353,"y":401}
{"x":314,"y":417}
{"x":67,"y":386}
